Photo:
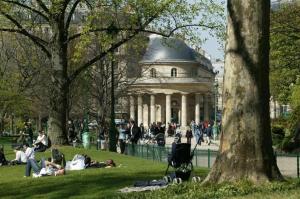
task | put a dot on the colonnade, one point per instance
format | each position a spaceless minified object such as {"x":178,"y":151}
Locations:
{"x":201,"y":100}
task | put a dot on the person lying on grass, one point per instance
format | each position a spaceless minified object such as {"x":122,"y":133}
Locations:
{"x":80,"y":162}
{"x":107,"y":164}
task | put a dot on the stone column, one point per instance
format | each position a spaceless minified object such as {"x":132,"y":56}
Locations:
{"x":152,"y":109}
{"x":183,"y":110}
{"x":197,"y":108}
{"x":206,"y":107}
{"x":145,"y":115}
{"x":140,"y":110}
{"x":132,"y":111}
{"x":168,"y":109}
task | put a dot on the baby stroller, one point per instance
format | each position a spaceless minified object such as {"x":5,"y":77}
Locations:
{"x":160,"y":139}
{"x":181,"y":161}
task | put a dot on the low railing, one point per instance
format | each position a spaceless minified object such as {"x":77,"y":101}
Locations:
{"x":287,"y":163}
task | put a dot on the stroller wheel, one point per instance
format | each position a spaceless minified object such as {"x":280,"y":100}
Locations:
{"x":196,"y":179}
{"x":167,"y":179}
{"x":177,"y":181}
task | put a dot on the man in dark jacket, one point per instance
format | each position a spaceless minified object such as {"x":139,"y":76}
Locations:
{"x":208,"y":134}
{"x":135,"y":132}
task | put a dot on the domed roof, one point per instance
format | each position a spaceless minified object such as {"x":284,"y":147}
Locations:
{"x":161,"y":49}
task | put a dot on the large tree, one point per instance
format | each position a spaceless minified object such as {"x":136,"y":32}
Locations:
{"x":246,"y":145}
{"x":116,"y":21}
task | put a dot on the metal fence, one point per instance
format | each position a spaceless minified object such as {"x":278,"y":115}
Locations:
{"x":287,"y":163}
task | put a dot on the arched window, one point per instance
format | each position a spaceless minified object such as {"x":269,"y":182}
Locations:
{"x":153,"y":72}
{"x":173,"y":72}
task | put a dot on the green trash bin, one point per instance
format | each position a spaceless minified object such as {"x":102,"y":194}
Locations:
{"x":86,"y":140}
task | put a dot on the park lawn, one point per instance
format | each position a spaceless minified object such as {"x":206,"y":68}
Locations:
{"x":89,"y":183}
{"x":104,"y":183}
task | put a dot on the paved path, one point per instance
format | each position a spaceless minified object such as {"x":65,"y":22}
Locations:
{"x":287,"y":165}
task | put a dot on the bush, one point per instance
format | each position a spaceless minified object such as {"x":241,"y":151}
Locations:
{"x":277,"y":134}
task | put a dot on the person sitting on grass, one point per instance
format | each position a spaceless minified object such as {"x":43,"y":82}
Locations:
{"x":41,"y":143}
{"x":30,"y":159}
{"x":47,"y":168}
{"x":20,"y":157}
{"x":2,"y":156}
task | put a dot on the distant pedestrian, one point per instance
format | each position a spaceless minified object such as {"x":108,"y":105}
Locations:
{"x":208,"y":134}
{"x":188,"y":135}
{"x":122,"y":137}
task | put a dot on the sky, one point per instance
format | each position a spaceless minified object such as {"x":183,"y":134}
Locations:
{"x":212,"y":47}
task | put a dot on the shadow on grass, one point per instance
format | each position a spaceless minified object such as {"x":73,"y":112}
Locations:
{"x":81,"y":185}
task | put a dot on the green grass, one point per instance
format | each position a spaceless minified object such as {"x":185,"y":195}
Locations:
{"x":104,"y":183}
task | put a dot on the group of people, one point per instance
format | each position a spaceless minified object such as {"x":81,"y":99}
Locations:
{"x":202,"y":132}
{"x":129,"y":132}
{"x":26,"y":155}
{"x":76,"y":128}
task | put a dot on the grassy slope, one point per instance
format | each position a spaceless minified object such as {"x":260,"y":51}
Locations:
{"x":104,"y":183}
{"x":89,"y":183}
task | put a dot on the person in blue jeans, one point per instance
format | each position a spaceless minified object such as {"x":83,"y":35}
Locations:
{"x":32,"y":164}
{"x":198,"y":134}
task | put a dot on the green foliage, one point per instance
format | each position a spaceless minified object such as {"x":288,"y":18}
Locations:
{"x":295,"y":98}
{"x":277,"y":134}
{"x":284,"y":56}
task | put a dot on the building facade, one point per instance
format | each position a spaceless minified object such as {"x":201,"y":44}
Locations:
{"x":175,"y":85}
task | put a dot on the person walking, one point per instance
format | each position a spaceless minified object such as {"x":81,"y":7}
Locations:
{"x":135,"y":135}
{"x":208,"y":134}
{"x":122,"y":137}
{"x":188,"y":135}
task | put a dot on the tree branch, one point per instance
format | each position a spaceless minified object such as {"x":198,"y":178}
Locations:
{"x":100,"y":56}
{"x":115,"y":46}
{"x":43,"y":6}
{"x":28,"y":8}
{"x":38,"y":41}
{"x":71,"y":13}
{"x":143,"y":30}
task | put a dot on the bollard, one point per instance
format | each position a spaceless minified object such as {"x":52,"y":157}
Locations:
{"x":98,"y":144}
{"x":74,"y":144}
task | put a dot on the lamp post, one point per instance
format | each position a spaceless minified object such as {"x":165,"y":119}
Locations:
{"x":215,"y":127}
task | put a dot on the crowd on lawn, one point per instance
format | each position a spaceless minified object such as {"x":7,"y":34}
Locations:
{"x":127,"y":133}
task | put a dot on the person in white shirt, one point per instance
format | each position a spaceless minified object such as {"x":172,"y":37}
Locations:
{"x":41,"y":142}
{"x":20,"y":157}
{"x":30,"y":160}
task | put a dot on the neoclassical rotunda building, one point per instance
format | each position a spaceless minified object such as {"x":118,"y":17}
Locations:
{"x":175,"y":84}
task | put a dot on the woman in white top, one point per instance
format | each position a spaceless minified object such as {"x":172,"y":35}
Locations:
{"x":20,"y":157}
{"x":41,"y":142}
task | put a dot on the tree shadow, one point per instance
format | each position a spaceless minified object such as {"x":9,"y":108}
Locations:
{"x":99,"y":185}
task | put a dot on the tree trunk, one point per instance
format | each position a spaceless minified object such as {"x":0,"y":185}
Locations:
{"x":59,"y":88}
{"x":246,"y":146}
